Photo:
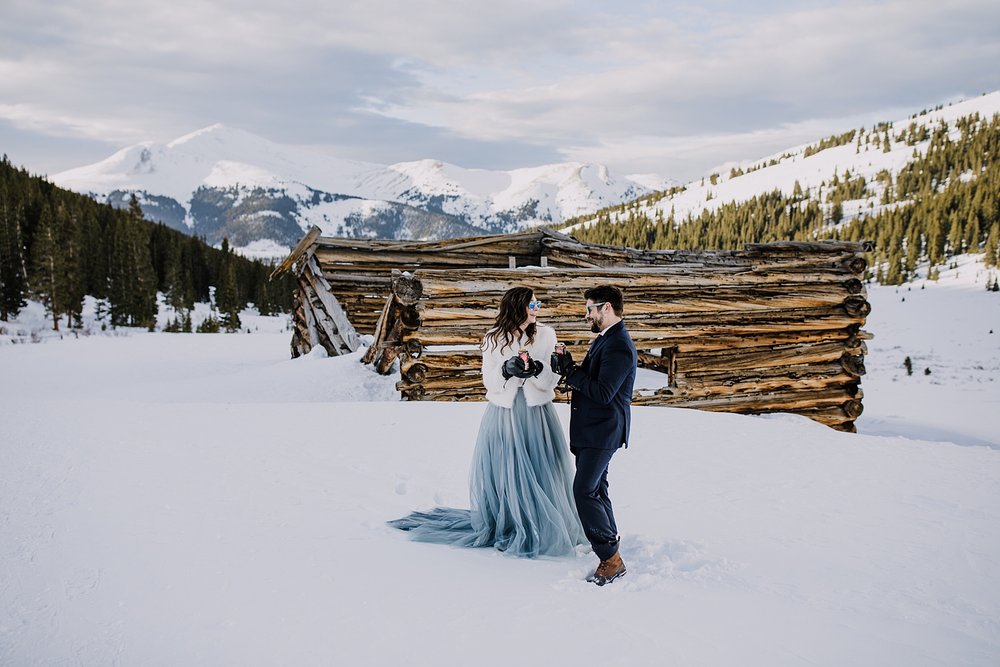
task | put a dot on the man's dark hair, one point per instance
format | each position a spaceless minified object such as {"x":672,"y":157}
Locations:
{"x":607,"y":293}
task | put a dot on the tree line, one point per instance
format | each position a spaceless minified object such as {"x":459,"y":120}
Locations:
{"x":944,"y":202}
{"x":58,"y":246}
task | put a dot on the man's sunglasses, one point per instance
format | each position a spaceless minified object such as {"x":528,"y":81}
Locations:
{"x":595,"y":305}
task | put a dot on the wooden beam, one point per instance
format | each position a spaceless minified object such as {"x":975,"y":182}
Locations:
{"x":297,"y":251}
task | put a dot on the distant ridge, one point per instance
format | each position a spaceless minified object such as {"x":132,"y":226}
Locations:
{"x":225,"y":182}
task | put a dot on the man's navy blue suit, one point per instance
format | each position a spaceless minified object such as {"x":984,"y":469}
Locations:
{"x":600,"y":417}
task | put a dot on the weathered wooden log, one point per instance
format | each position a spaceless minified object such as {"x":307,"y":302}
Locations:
{"x":811,"y":247}
{"x":770,"y":384}
{"x":306,"y":243}
{"x":708,"y":376}
{"x":413,"y":348}
{"x":328,"y":317}
{"x":641,"y":279}
{"x":765,"y":401}
{"x":856,"y":265}
{"x":853,"y":364}
{"x":383,"y":365}
{"x":406,"y":288}
{"x":854,"y":286}
{"x":416,"y":393}
{"x":853,"y":408}
{"x":300,"y":332}
{"x":857,"y":306}
{"x":416,"y":373}
{"x":381,"y":331}
{"x":778,"y":355}
{"x":409,"y":318}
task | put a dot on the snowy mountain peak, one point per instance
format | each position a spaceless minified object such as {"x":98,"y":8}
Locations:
{"x":223,"y":181}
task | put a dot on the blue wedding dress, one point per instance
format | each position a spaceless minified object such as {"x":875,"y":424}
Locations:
{"x":521,"y":489}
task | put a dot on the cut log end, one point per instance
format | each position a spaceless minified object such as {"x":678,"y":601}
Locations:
{"x":857,"y":306}
{"x":416,"y":373}
{"x":409,"y":317}
{"x":413,"y":348}
{"x":853,"y":408}
{"x":407,"y":289}
{"x":853,"y":364}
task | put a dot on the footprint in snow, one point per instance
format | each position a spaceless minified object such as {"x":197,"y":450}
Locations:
{"x":656,"y":564}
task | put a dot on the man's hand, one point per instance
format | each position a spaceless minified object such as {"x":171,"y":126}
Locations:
{"x":562,"y":364}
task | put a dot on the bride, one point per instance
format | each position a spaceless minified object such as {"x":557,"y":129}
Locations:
{"x":521,"y":481}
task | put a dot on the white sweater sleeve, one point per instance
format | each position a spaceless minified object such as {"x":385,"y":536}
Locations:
{"x":492,"y":363}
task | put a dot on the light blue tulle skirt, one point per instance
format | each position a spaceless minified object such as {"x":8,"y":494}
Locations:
{"x":521,"y":489}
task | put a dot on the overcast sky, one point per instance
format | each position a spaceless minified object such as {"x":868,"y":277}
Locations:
{"x":674,"y":88}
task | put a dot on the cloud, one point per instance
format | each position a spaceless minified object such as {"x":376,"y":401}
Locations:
{"x":481,"y":84}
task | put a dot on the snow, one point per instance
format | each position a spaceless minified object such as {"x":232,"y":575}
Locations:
{"x":176,"y":499}
{"x":266,"y":250}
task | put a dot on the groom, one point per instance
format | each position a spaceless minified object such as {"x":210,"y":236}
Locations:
{"x":599,"y":421}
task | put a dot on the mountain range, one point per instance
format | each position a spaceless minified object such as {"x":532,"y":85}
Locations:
{"x":222,"y":182}
{"x":225,"y":182}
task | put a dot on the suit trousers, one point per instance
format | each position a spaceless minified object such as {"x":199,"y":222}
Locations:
{"x":590,"y":489}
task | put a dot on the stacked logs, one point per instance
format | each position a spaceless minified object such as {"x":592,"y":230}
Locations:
{"x":776,"y":327}
{"x":359,"y":271}
{"x":319,"y":318}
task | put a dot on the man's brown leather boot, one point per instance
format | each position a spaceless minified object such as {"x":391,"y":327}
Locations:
{"x":609,"y":570}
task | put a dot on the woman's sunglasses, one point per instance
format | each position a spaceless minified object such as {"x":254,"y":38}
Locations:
{"x":534,"y":305}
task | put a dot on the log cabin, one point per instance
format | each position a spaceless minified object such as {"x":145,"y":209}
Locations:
{"x":775,"y":327}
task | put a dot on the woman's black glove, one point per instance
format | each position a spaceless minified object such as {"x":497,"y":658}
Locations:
{"x":562,"y":364}
{"x":514,"y":368}
{"x":536,"y":368}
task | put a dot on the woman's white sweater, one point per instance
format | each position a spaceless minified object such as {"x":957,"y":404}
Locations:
{"x":537,"y":390}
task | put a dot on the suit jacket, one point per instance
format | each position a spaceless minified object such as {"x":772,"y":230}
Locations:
{"x":600,"y":410}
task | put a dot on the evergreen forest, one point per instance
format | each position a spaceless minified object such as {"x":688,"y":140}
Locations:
{"x":58,"y":246}
{"x":944,"y":202}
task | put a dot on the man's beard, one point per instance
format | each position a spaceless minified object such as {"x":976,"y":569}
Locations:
{"x":595,"y":326}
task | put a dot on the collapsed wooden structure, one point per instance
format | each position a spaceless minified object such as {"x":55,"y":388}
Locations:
{"x":772,"y":328}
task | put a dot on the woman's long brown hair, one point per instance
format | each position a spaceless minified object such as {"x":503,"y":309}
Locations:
{"x":513,"y":307}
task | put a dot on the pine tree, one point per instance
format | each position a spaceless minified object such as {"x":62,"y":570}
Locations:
{"x":13,"y":276}
{"x":992,"y":249}
{"x":131,"y":279}
{"x":119,"y":275}
{"x":46,"y":264}
{"x":174,"y":283}
{"x":227,"y":294}
{"x":956,"y":235}
{"x":72,"y":287}
{"x":144,"y":287}
{"x":972,"y":233}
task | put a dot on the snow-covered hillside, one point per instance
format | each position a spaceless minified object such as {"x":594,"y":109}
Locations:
{"x":180,"y":499}
{"x":864,"y":154}
{"x":221,"y":181}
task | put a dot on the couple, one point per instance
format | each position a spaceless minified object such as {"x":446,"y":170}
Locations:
{"x":524,"y":501}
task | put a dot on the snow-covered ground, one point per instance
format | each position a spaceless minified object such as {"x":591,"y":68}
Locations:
{"x":195,"y":499}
